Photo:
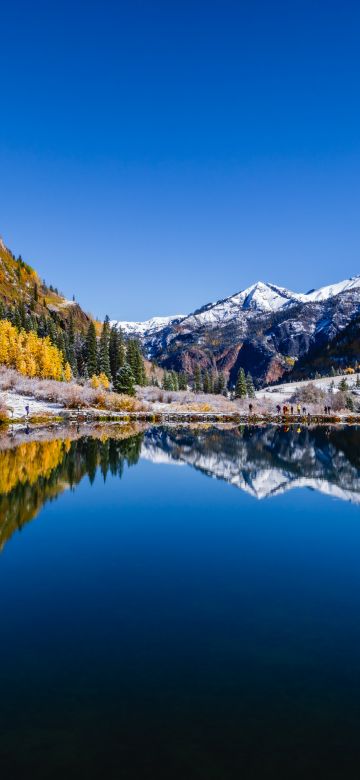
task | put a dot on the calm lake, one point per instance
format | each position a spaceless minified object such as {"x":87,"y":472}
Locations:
{"x":180,"y":603}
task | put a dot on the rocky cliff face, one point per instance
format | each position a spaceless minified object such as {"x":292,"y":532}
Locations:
{"x":265,"y":329}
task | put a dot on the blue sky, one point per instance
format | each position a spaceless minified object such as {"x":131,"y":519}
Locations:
{"x":155,"y":156}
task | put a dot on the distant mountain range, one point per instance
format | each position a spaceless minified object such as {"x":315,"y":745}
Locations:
{"x":268,"y":330}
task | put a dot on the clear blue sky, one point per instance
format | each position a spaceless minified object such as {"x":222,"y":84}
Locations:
{"x":155,"y":156}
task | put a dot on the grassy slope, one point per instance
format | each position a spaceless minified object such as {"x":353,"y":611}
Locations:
{"x":17,"y":283}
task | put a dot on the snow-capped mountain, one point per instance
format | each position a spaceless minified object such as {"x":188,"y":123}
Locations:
{"x":264,"y":328}
{"x":147,"y":327}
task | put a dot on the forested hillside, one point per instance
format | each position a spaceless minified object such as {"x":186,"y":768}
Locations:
{"x":37,"y":318}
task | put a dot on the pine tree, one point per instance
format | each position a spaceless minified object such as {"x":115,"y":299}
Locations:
{"x":182,"y":381}
{"x":116,"y":351}
{"x":357,"y":380}
{"x":349,"y":403}
{"x":136,"y":362}
{"x":16,"y":319}
{"x":220,"y":384}
{"x":206,"y":383}
{"x":175,"y":381}
{"x":250,"y":386}
{"x":104,"y":343}
{"x":125,"y":380}
{"x":71,"y":357}
{"x":91,"y":350}
{"x":140,"y":374}
{"x":167,"y":381}
{"x":343,"y":385}
{"x":198,"y":385}
{"x":240,"y":387}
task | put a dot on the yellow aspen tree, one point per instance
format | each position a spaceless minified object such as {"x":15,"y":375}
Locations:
{"x":67,"y":372}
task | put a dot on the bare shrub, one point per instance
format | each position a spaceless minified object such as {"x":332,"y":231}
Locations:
{"x":309,"y":394}
{"x":75,"y":398}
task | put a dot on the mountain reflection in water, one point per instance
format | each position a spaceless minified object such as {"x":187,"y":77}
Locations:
{"x":263,"y":462}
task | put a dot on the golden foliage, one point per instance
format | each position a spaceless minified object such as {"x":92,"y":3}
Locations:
{"x":99,"y":380}
{"x":30,"y":354}
{"x":200,"y":407}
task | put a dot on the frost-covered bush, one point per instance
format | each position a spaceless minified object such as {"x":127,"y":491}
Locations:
{"x":71,"y":395}
{"x":308,"y":394}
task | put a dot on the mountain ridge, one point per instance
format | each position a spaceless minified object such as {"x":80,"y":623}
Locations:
{"x":314,"y":295}
{"x":265,"y":328}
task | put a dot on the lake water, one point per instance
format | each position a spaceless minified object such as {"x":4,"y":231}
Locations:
{"x":181,"y":604}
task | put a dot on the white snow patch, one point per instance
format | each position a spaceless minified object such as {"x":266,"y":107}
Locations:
{"x":16,"y":403}
{"x":148,"y":327}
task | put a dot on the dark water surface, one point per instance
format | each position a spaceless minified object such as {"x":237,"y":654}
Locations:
{"x":157,"y":622}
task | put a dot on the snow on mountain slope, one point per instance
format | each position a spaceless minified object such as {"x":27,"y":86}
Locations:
{"x":148,"y":327}
{"x":261,"y":297}
{"x":324,"y":293}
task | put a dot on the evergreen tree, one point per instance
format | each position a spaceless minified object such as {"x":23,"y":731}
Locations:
{"x":206,"y":383}
{"x":343,"y":385}
{"x":182,"y":381}
{"x":79,"y":354}
{"x":349,"y":403}
{"x":198,"y":385}
{"x":16,"y":319}
{"x":116,"y":351}
{"x":103,"y":355}
{"x":250,"y":386}
{"x":125,"y":380}
{"x":332,"y":372}
{"x":51,"y":331}
{"x":71,"y":357}
{"x":136,"y":362}
{"x":241,"y":387}
{"x":42,"y":326}
{"x":91,"y":350}
{"x":60,"y":342}
{"x":167,"y":381}
{"x":220,"y":384}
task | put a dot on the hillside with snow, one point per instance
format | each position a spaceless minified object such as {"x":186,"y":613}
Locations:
{"x":265,"y":328}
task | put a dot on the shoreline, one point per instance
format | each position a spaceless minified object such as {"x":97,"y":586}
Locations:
{"x":18,"y":432}
{"x":86,"y":416}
